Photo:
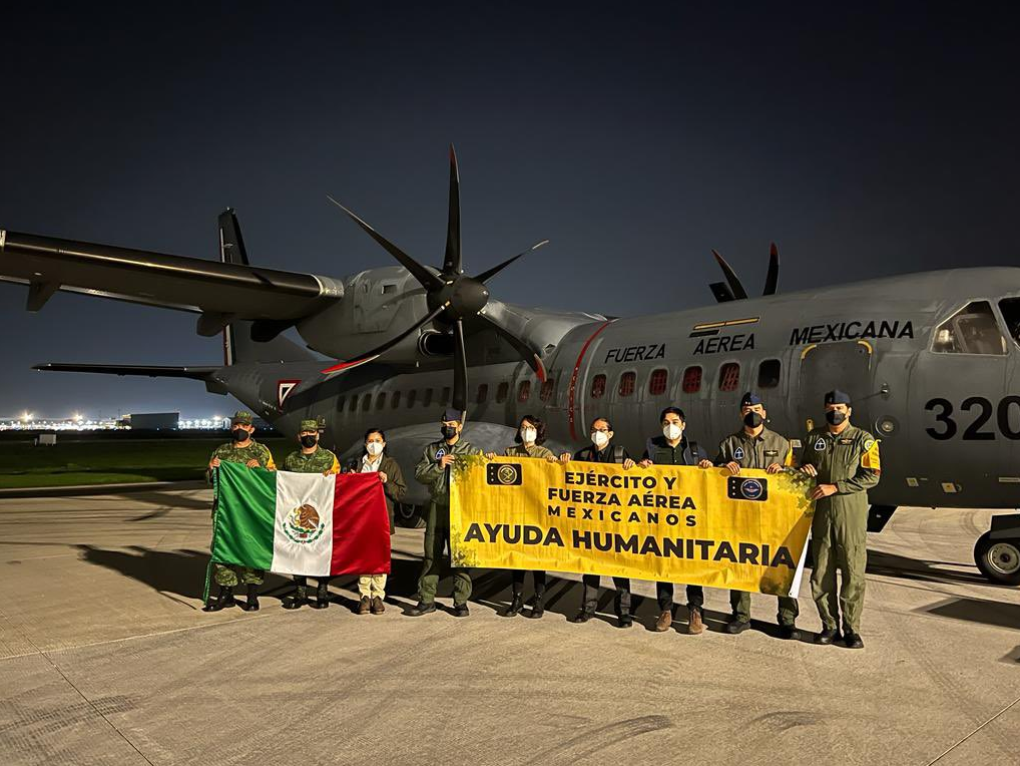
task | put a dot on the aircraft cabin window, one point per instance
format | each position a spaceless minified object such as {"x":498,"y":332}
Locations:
{"x":483,"y":393}
{"x":546,"y":392}
{"x":353,"y":407}
{"x":501,"y":392}
{"x":971,"y":330}
{"x":627,"y":381}
{"x":395,"y":400}
{"x":729,"y":376}
{"x":598,"y":386}
{"x":1010,"y":308}
{"x":411,"y":396}
{"x":340,"y":402}
{"x":366,"y":402}
{"x":524,"y":391}
{"x":444,"y":396}
{"x":657,"y":383}
{"x":426,"y":399}
{"x":380,"y":401}
{"x":692,"y":380}
{"x":768,"y":373}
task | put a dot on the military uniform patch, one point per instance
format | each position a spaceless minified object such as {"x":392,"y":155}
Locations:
{"x":738,"y":453}
{"x":820,"y":445}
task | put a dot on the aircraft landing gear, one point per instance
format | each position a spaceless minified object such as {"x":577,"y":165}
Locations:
{"x":997,"y":552}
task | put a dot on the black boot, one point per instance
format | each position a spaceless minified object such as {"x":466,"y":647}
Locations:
{"x":516,"y":605}
{"x":321,"y":596}
{"x":583,"y":616}
{"x":224,"y":600}
{"x":252,"y":605}
{"x":537,"y":607}
{"x":297,"y":600}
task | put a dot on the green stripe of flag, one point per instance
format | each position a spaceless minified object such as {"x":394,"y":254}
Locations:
{"x":245,"y":516}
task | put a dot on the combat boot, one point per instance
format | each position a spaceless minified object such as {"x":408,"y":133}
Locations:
{"x":583,"y":616}
{"x":624,"y":620}
{"x":321,"y":596}
{"x":827,"y":636}
{"x":223,"y":600}
{"x":422,"y":608}
{"x":252,"y":604}
{"x":297,"y":600}
{"x":516,"y":605}
{"x":537,"y":607}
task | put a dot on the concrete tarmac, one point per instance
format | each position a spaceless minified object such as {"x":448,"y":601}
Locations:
{"x":106,"y":658}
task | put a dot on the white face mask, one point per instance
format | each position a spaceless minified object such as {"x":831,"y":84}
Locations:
{"x":600,"y":439}
{"x":672,"y":431}
{"x":528,"y":435}
{"x":374,"y":448}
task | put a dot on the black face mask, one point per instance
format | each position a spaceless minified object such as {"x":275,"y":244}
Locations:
{"x":309,"y":441}
{"x":239,"y":434}
{"x":753,"y":420}
{"x":835,"y":417}
{"x":448,"y":432}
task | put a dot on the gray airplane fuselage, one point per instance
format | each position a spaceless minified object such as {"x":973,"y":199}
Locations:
{"x":928,"y":359}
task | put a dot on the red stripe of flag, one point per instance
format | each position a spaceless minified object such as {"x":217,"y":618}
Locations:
{"x":361,"y":526}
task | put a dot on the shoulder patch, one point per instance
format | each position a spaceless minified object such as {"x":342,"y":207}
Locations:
{"x":738,"y":453}
{"x":819,"y":445}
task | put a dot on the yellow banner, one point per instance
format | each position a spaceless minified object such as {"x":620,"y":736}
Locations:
{"x":665,"y":523}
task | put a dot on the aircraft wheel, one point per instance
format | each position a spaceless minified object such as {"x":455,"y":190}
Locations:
{"x":409,"y":516}
{"x":998,"y":560}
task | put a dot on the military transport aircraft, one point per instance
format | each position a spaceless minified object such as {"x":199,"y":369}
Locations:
{"x":932,"y":360}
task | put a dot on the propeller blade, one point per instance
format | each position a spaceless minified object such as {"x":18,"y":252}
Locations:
{"x":731,"y":277}
{"x":375,"y":353}
{"x":485,"y":276}
{"x":460,"y":381}
{"x":528,"y":354}
{"x":772,"y":278}
{"x":452,"y":264}
{"x":425,"y":278}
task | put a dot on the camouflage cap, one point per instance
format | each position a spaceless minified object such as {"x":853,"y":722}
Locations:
{"x":242,"y":417}
{"x":310,"y":425}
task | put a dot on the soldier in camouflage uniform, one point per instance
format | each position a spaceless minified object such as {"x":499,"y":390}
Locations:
{"x":845,"y":460}
{"x":755,"y":446}
{"x":311,"y":458}
{"x":245,"y":450}
{"x":434,"y":472}
{"x":528,"y":443}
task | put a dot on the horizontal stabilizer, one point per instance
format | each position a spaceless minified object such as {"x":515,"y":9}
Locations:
{"x":146,"y":371}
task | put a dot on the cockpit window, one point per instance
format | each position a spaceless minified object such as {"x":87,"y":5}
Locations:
{"x":971,"y":330}
{"x":1010,"y":308}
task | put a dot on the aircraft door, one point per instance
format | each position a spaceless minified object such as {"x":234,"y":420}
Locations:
{"x":825,"y":366}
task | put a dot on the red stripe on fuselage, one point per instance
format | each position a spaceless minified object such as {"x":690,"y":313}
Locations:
{"x":573,"y":379}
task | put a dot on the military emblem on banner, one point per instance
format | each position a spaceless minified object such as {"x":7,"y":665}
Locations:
{"x":303,"y":525}
{"x":740,"y":488}
{"x":505,"y":474}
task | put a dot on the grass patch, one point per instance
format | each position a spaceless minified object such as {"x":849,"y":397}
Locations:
{"x":111,"y":462}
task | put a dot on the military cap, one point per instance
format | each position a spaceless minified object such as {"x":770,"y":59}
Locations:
{"x":749,"y":400}
{"x":837,"y":397}
{"x":309,"y":425}
{"x":452,"y":413}
{"x":242,"y":417}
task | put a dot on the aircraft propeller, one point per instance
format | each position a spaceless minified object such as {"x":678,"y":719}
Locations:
{"x":733,"y":289}
{"x":451,"y":296}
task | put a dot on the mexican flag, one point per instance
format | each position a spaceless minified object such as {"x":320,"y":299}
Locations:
{"x":301,"y":523}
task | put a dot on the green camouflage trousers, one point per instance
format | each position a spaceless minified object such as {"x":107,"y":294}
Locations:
{"x":228,"y":576}
{"x":437,"y":540}
{"x":740,"y":602}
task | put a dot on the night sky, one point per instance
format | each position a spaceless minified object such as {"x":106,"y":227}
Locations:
{"x":865,"y":142}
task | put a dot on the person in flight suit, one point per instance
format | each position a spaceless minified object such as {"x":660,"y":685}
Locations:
{"x":528,"y":443}
{"x":673,"y":448}
{"x":245,"y":450}
{"x":755,"y":446}
{"x":434,"y":472}
{"x":846,"y":462}
{"x":602,"y":450}
{"x":310,"y":458}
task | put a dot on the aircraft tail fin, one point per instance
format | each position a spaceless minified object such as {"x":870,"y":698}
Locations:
{"x":245,"y":341}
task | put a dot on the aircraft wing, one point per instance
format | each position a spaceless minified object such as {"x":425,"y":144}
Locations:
{"x":220,"y":291}
{"x":147,"y":371}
